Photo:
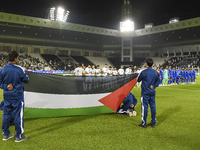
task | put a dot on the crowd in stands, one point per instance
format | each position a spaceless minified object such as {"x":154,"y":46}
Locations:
{"x":25,"y":61}
{"x":58,"y":64}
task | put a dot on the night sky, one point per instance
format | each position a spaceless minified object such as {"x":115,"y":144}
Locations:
{"x":107,"y":13}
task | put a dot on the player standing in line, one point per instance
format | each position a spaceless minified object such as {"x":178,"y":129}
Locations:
{"x":98,"y":71}
{"x":88,"y":70}
{"x":170,"y":75}
{"x":105,"y":70}
{"x":13,"y":75}
{"x":194,"y":75}
{"x":165,"y":76}
{"x":121,"y":71}
{"x":110,"y":71}
{"x":186,"y":76}
{"x":129,"y":70}
{"x":161,"y":76}
{"x":114,"y":72}
{"x":79,"y":71}
{"x":150,"y":80}
{"x":174,"y":76}
{"x":93,"y":70}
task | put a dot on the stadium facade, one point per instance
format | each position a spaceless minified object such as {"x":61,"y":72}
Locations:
{"x":36,"y":35}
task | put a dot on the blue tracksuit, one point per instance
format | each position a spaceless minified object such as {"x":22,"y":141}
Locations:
{"x":13,"y":99}
{"x":148,"y":77}
{"x":130,"y":99}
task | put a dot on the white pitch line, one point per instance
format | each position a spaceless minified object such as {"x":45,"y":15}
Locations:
{"x":182,"y":89}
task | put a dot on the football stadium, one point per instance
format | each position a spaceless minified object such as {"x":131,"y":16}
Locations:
{"x":83,"y":86}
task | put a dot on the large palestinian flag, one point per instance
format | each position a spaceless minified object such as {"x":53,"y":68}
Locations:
{"x":55,"y":96}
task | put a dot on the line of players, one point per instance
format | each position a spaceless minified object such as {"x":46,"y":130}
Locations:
{"x":177,"y":76}
{"x":106,"y":71}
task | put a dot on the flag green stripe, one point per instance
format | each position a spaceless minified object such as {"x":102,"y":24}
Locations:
{"x":42,"y":113}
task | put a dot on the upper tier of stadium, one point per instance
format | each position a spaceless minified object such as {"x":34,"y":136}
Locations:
{"x":21,"y":29}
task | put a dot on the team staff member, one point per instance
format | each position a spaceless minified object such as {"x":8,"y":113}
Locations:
{"x":150,"y":80}
{"x":13,"y":75}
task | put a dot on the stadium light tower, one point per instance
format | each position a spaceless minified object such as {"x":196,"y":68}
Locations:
{"x":126,"y":25}
{"x":57,"y":14}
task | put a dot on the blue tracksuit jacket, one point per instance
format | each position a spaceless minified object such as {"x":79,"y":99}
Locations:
{"x":16,"y":78}
{"x":148,"y":77}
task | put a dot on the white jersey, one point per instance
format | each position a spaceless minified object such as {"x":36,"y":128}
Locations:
{"x":93,"y":71}
{"x":128,"y":71}
{"x":89,"y":71}
{"x":78,"y":71}
{"x":98,"y":72}
{"x":139,"y":71}
{"x":121,"y":71}
{"x":105,"y":71}
{"x":110,"y":72}
{"x":115,"y":72}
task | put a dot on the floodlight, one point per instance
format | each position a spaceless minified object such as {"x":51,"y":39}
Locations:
{"x":127,"y":26}
{"x":174,"y":20}
{"x":149,"y":25}
{"x":58,"y":14}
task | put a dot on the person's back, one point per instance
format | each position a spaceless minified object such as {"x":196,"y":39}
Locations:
{"x":11,"y":78}
{"x":150,"y":80}
{"x":149,"y":77}
{"x":14,"y":74}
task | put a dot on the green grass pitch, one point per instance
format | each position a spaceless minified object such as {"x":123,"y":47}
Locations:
{"x":178,"y":127}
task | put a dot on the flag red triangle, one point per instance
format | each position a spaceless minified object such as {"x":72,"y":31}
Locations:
{"x":114,"y":100}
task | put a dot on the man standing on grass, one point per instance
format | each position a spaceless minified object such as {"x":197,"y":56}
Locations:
{"x":150,"y":80}
{"x":12,"y":76}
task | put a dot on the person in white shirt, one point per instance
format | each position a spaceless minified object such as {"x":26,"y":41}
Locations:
{"x":105,"y":70}
{"x":98,"y":71}
{"x":88,"y":71}
{"x":129,"y":70}
{"x":139,"y":83}
{"x":114,"y":72}
{"x":79,"y":71}
{"x":110,"y":71}
{"x":121,"y":70}
{"x":93,"y":70}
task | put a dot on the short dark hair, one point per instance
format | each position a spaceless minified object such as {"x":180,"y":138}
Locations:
{"x":97,"y":65}
{"x":110,"y":67}
{"x":149,"y":62}
{"x":12,"y":55}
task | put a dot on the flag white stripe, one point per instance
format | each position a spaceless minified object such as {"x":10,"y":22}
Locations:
{"x":57,"y":101}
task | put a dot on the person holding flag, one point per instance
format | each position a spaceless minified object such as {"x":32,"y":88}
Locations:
{"x":128,"y":106}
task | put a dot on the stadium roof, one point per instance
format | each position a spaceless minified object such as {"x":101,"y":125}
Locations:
{"x":20,"y":29}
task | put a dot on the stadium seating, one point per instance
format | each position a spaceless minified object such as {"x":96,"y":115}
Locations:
{"x":81,"y":59}
{"x":158,"y":61}
{"x":101,"y":61}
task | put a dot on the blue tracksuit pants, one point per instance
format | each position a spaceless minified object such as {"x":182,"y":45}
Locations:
{"x":145,"y":100}
{"x":17,"y":107}
{"x":1,"y":108}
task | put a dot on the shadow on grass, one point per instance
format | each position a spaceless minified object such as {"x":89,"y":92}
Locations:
{"x":50,"y":127}
{"x":166,"y":113}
